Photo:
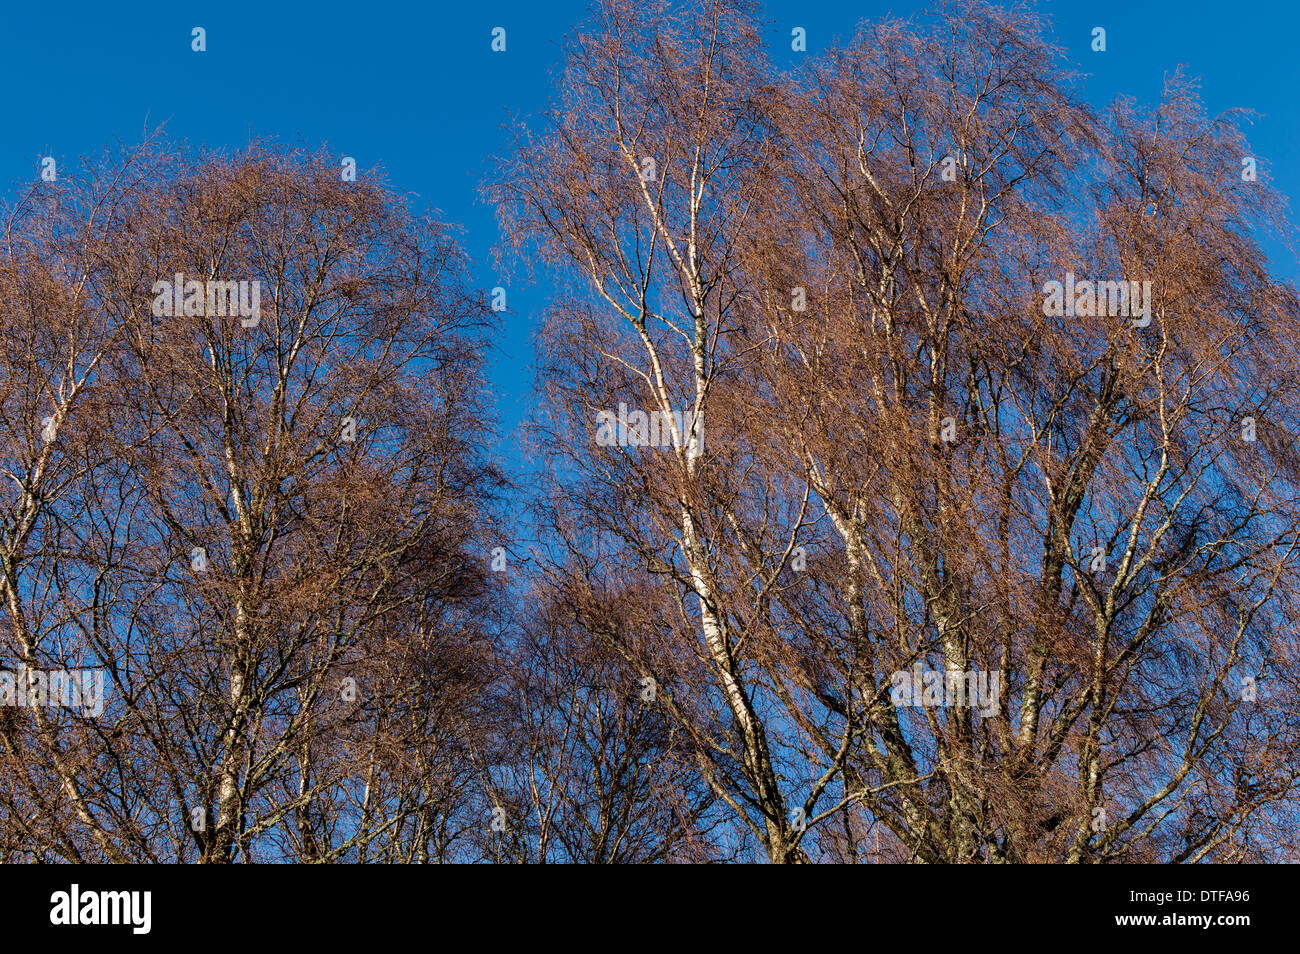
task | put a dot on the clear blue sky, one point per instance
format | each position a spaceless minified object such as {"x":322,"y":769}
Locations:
{"x":415,"y":87}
